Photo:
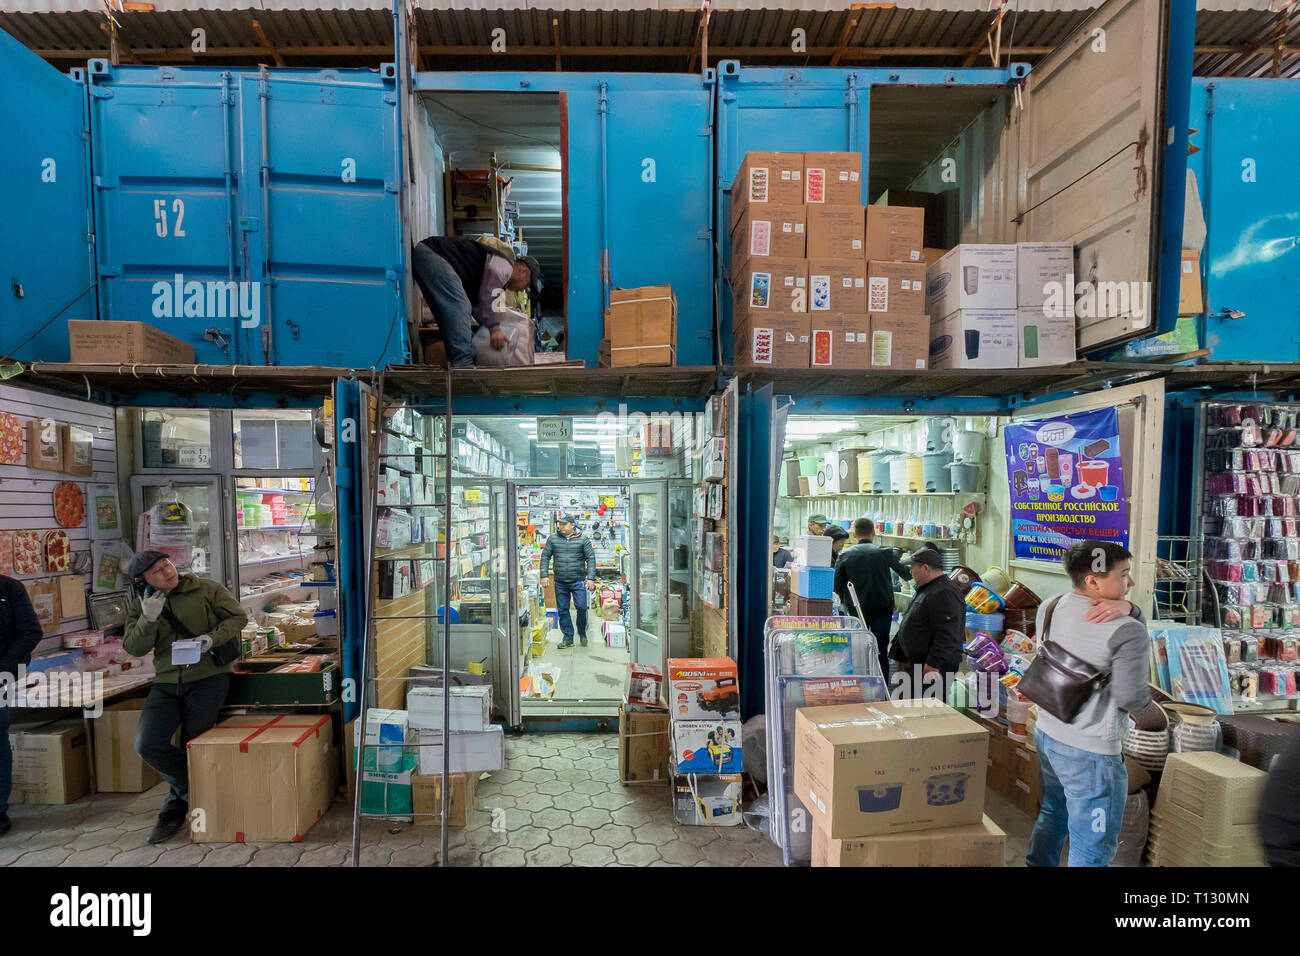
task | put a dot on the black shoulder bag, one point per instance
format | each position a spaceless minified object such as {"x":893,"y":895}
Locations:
{"x":1057,"y":681}
{"x":222,"y":654}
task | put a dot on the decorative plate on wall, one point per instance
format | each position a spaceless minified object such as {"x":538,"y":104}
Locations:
{"x":69,"y":504}
{"x":58,"y":551}
{"x":11,"y":439}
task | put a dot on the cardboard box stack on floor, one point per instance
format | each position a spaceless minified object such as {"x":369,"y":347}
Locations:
{"x":897,"y":783}
{"x":707,"y":755}
{"x":50,"y":762}
{"x":811,"y":577}
{"x":477,"y":746}
{"x":644,"y":735}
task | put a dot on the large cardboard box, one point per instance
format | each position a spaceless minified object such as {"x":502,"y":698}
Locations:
{"x":1189,"y":283}
{"x":972,"y":276}
{"x":470,"y":707}
{"x":51,"y":762}
{"x":773,"y":341}
{"x":261,"y":778}
{"x":125,"y":343}
{"x":470,"y":752}
{"x":899,"y":341}
{"x":1045,"y":276}
{"x":389,"y":794}
{"x":935,"y":205}
{"x":703,"y":688}
{"x":770,"y":229}
{"x":643,"y":746}
{"x":895,"y":233}
{"x":975,"y":338}
{"x":764,"y":286}
{"x":835,"y":232}
{"x":837,"y":286}
{"x":832,"y":178}
{"x":897,"y":287}
{"x":766,"y":178}
{"x":1044,"y":339}
{"x":426,"y":799}
{"x":977,"y":844}
{"x":118,"y":768}
{"x":707,"y":799}
{"x":867,"y":769}
{"x":841,"y":341}
{"x":642,"y":326}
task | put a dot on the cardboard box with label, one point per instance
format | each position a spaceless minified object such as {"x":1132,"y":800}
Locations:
{"x":773,"y":341}
{"x":703,"y":688}
{"x":837,"y":286}
{"x":1189,"y":283}
{"x":890,"y":767}
{"x":972,"y":276}
{"x":769,"y":230}
{"x":470,"y":752}
{"x":51,"y":762}
{"x":388,"y":732}
{"x":1045,"y":276}
{"x":897,"y":287}
{"x":389,"y":794}
{"x":1028,"y":779}
{"x":832,"y":178}
{"x":899,"y":341}
{"x":706,"y":746}
{"x":642,"y":326}
{"x":643,"y":746}
{"x":261,"y":778}
{"x":766,"y":178}
{"x":975,"y":338}
{"x":1044,"y":339}
{"x":835,"y":232}
{"x":707,"y":800}
{"x":894,"y":233}
{"x":977,"y":844}
{"x":841,"y":341}
{"x":125,"y":343}
{"x":118,"y":768}
{"x":426,"y":799}
{"x":469,"y":707}
{"x":768,"y":286}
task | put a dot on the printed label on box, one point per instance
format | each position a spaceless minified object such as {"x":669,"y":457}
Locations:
{"x":847,"y":282}
{"x":878,"y":294}
{"x":762,"y":346}
{"x":822,"y":347}
{"x":785,"y":175}
{"x":882,"y":347}
{"x":1187,"y":266}
{"x":853,"y":176}
{"x":821,"y":293}
{"x":760,"y":238}
{"x":758,"y":184}
{"x":844,"y":175}
{"x":817,"y":185}
{"x":760,"y":289}
{"x":798,"y":227}
{"x":787,"y":227}
{"x":857,"y":243}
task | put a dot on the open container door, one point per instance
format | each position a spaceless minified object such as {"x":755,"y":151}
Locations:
{"x":1102,"y":159}
{"x":46,"y":242}
{"x":508,"y":646}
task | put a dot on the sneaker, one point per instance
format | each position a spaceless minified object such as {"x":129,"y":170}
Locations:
{"x":168,"y":826}
{"x":564,"y":644}
{"x":5,"y":824}
{"x":584,"y":642}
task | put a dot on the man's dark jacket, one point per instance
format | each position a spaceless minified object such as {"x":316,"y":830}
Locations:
{"x":20,"y":631}
{"x":933,"y":628}
{"x":868,"y":568}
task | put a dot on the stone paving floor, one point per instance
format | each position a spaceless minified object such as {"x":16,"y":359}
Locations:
{"x":558,"y":803}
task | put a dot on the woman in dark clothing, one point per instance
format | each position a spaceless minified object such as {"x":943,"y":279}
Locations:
{"x":839,"y":538}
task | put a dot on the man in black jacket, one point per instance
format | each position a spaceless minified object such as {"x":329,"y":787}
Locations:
{"x":463,"y":280}
{"x":869,"y":569}
{"x":928,"y":644}
{"x":575,"y":574}
{"x":20,"y":632}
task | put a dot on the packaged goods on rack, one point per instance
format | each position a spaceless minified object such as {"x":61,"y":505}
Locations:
{"x":1191,"y":664}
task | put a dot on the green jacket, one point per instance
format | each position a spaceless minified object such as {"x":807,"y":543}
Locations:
{"x":205,"y":607}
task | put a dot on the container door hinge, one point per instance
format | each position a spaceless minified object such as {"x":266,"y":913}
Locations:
{"x":390,"y":98}
{"x":706,"y":131}
{"x":102,"y":182}
{"x":705,"y":235}
{"x":101,"y":92}
{"x":107,"y":271}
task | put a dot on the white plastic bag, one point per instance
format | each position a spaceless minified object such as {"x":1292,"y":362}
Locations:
{"x":518,"y":330}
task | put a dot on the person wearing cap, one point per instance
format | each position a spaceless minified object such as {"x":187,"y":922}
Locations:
{"x":163,"y":607}
{"x":928,"y":645}
{"x":463,"y":281}
{"x":817,"y":524}
{"x":20,"y":632}
{"x":575,"y":574}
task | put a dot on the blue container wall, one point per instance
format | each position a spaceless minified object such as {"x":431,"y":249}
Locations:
{"x":45,"y":250}
{"x":1245,"y":172}
{"x":655,"y":186}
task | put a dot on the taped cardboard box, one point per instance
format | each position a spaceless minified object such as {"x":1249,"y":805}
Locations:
{"x":978,"y":844}
{"x":976,"y":338}
{"x":835,"y":232}
{"x":765,"y":178}
{"x":1044,"y":339}
{"x":643,"y":746}
{"x":773,"y":341}
{"x":832,"y":178}
{"x":642,"y":326}
{"x":837,"y":286}
{"x":426,"y":799}
{"x":771,"y":285}
{"x":894,"y":233}
{"x":125,"y":343}
{"x":118,"y":768}
{"x":773,"y":229}
{"x":900,"y":341}
{"x":1045,"y":277}
{"x":897,"y":287}
{"x":972,"y":276}
{"x":51,"y":763}
{"x":261,"y":778}
{"x":1189,"y":284}
{"x":841,"y":341}
{"x":707,"y":800}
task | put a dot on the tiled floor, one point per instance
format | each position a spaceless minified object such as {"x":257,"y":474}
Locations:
{"x":594,"y":672}
{"x":559,"y":803}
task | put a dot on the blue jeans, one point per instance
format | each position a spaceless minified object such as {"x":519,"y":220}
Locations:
{"x":191,"y":707}
{"x":1083,"y":798}
{"x":6,"y":759}
{"x":579,"y":591}
{"x":448,"y":300}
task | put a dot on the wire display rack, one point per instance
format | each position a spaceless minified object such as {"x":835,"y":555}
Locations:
{"x":1179,"y":577}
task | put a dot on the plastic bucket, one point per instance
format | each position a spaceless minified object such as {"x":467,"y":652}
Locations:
{"x":935,"y":469}
{"x":865,"y":472}
{"x":880,"y":463}
{"x":1018,"y":717}
{"x":915,"y":475}
{"x":967,"y":477}
{"x":934,"y":434}
{"x":968,"y":447}
{"x":898,"y":474}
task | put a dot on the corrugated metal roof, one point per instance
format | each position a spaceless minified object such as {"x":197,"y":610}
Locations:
{"x":1234,"y":37}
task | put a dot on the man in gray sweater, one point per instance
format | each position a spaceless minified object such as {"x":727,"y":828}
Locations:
{"x":1084,"y":780}
{"x":575,"y":572}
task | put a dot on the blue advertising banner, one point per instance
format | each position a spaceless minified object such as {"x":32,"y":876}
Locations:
{"x":1067,"y":483}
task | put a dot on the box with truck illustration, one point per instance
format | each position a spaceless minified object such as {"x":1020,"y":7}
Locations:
{"x":703,"y":688}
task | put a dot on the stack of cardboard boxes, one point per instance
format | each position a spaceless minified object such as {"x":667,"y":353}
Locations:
{"x":643,"y":728}
{"x":707,"y":756}
{"x":895,"y":784}
{"x":815,"y":276}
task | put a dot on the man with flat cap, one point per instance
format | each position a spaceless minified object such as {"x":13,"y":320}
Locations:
{"x":928,"y":645}
{"x":575,"y":574}
{"x":203,"y":620}
{"x":817,"y":524}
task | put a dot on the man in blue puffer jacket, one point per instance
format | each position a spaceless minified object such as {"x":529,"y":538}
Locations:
{"x":575,"y":573}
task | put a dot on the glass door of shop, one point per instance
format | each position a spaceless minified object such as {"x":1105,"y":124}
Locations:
{"x":651,"y":579}
{"x":511,"y":621}
{"x":185,"y":519}
{"x":474,"y":589}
